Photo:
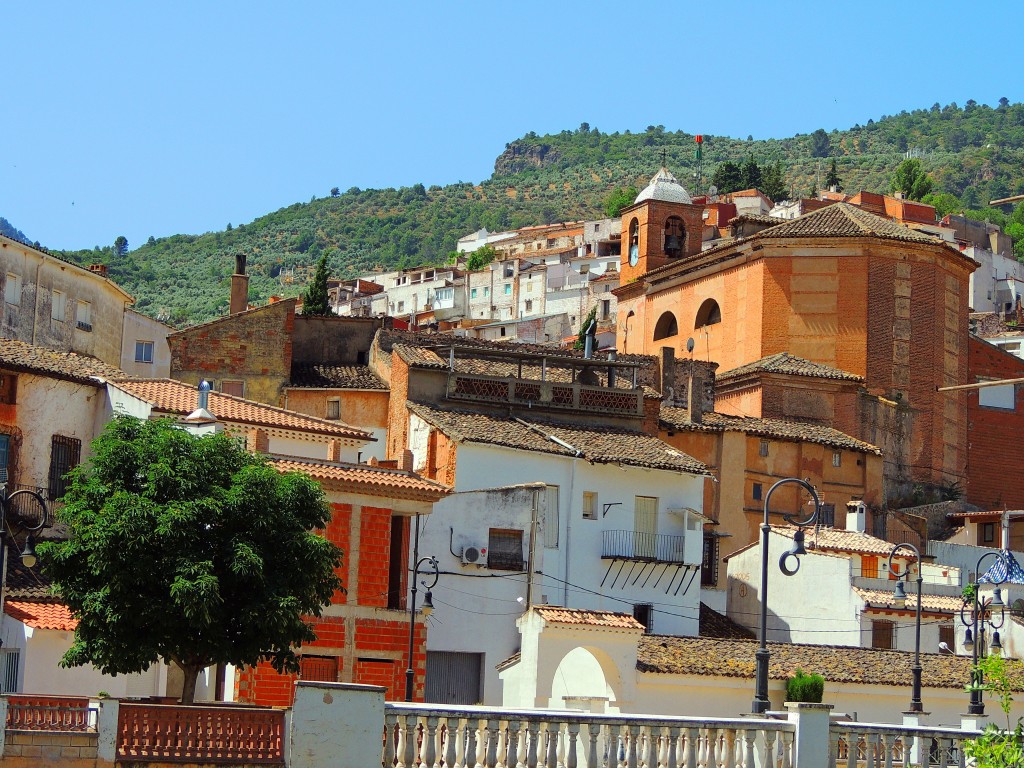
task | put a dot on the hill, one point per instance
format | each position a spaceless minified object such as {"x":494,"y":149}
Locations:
{"x":974,"y":153}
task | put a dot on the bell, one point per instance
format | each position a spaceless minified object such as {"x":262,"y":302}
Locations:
{"x":968,"y":639}
{"x":428,"y":604}
{"x":899,"y":598}
{"x":673,"y":243}
{"x":997,"y":645}
{"x":798,"y":543}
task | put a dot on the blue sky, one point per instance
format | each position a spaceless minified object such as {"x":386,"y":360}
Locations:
{"x":160,"y":118}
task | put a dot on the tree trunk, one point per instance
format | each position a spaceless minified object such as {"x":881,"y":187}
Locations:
{"x":191,"y":673}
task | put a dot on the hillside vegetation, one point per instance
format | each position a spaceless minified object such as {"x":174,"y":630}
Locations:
{"x":974,"y":153}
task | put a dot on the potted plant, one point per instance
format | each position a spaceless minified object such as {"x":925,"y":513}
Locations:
{"x":805,"y":687}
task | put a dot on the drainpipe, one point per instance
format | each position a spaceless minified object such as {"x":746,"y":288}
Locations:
{"x":531,"y":568}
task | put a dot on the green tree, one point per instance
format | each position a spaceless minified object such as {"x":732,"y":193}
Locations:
{"x":581,"y":342}
{"x":751,"y":174}
{"x":944,"y":202}
{"x":821,"y":145}
{"x":121,"y":246}
{"x":335,"y":192}
{"x":191,"y":551}
{"x":773,"y":183}
{"x":728,"y":177}
{"x":998,"y":748}
{"x":314,"y":300}
{"x":832,"y":178}
{"x":618,"y":199}
{"x":481,"y":257}
{"x":911,"y":179}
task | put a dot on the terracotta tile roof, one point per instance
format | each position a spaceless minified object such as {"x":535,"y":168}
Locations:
{"x":780,"y":429}
{"x":364,"y":478}
{"x":846,"y":220}
{"x":785,"y":363}
{"x":41,"y":615}
{"x":982,"y":514}
{"x":838,"y":664}
{"x":714,"y":624}
{"x":590,"y":618}
{"x":335,"y":377}
{"x":419,"y":356}
{"x":771,"y":221}
{"x":598,"y":445}
{"x":70,"y":366}
{"x":175,"y":397}
{"x":838,"y":540}
{"x":26,"y":583}
{"x":880,"y":598}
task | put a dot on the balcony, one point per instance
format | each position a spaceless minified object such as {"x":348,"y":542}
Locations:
{"x":644,"y":547}
{"x":557,"y":395}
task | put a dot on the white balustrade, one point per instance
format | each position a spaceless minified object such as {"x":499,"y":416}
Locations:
{"x":868,"y":745}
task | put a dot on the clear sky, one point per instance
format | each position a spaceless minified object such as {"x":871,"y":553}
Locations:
{"x":157,"y":118}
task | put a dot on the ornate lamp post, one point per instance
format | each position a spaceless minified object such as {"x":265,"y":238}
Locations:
{"x":976,"y":619}
{"x":428,"y":603}
{"x":762,"y":655}
{"x":32,"y":517}
{"x":899,"y":601}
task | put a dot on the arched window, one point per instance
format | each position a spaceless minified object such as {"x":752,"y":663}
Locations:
{"x":634,"y":242}
{"x":666,"y":326}
{"x":708,"y":314}
{"x":675,"y":236}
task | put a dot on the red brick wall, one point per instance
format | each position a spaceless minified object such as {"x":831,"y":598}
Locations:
{"x":993,"y":460}
{"x":398,"y":414}
{"x":374,"y":556}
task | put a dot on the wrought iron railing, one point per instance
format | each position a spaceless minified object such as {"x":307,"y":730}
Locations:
{"x":639,"y":545}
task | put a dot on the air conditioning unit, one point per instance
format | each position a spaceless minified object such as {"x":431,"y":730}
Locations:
{"x":474,"y":556}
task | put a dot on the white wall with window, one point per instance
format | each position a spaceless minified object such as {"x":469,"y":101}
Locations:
{"x":144,"y":349}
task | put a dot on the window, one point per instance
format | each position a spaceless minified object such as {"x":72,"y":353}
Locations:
{"x":708,"y":314}
{"x":487,"y":292}
{"x":883,"y":634}
{"x":12,"y":289}
{"x":454,"y":677}
{"x":401,"y":306}
{"x":236,"y":388}
{"x":508,"y":289}
{"x":757,"y":491}
{"x":143,"y":351}
{"x":763,"y":448}
{"x":645,"y":526}
{"x":675,"y":236}
{"x":5,"y":456}
{"x":57,"y":307}
{"x":869,"y":566}
{"x":334,"y":408}
{"x":321,"y":668}
{"x":472,"y":293}
{"x":997,"y":397}
{"x":644,"y":613}
{"x":709,"y":561}
{"x":8,"y":388}
{"x":529,"y":287}
{"x":10,"y":659}
{"x":65,"y":453}
{"x":505,"y":550}
{"x":827,"y":515}
{"x":501,"y":331}
{"x":606,"y":308}
{"x":529,"y":306}
{"x":988,"y":533}
{"x":666,"y":326}
{"x":947,"y":635}
{"x":589,"y":505}
{"x":551,"y":517}
{"x":83,"y":315}
{"x":837,"y":459}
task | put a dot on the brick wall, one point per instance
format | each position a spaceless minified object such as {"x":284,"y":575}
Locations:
{"x":993,"y":456}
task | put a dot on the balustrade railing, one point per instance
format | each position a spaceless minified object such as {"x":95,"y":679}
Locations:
{"x":641,"y":545}
{"x":860,"y":745}
{"x":211,"y":734}
{"x":425,"y":736}
{"x":50,"y":713}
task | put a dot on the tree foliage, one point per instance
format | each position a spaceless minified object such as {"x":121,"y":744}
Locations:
{"x":121,"y":246}
{"x":188,"y":550}
{"x":996,"y":747}
{"x":481,"y":257}
{"x":910,"y":179}
{"x":821,"y":144}
{"x":618,"y":199}
{"x":728,"y":177}
{"x":773,"y":182}
{"x":751,"y":174}
{"x":832,"y":178}
{"x":315,"y":300}
{"x":581,"y":338}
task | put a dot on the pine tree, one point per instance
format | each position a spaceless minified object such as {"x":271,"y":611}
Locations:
{"x":773,"y":183}
{"x":832,"y":179}
{"x":751,"y":174}
{"x":314,"y":300}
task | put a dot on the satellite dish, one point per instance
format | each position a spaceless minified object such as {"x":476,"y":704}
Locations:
{"x":689,"y":344}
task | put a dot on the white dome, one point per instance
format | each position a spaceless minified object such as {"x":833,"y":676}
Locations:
{"x":664,"y":187}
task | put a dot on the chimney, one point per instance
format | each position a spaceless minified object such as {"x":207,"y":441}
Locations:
{"x":694,"y":399}
{"x":405,"y":460}
{"x":668,"y":372}
{"x":99,"y":269}
{"x":257,"y":441}
{"x":334,"y":450}
{"x":201,"y":420}
{"x":239,"y":286}
{"x":856,"y":516}
{"x":613,"y":355}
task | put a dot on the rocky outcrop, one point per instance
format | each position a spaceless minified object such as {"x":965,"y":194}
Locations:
{"x":524,"y":155}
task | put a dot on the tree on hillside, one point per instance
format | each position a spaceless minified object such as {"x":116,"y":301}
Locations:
{"x":911,"y":179}
{"x":728,"y":177}
{"x":121,"y":246}
{"x":481,"y":257}
{"x":1015,"y":229}
{"x":618,"y":199}
{"x":751,"y":174}
{"x":335,"y":192}
{"x":832,"y":178}
{"x":944,"y":203}
{"x":314,"y":300}
{"x":773,"y":182}
{"x":821,"y":145}
{"x":189,"y":551}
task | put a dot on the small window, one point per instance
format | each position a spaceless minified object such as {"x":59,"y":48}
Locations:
{"x":8,"y":388}
{"x":837,"y":459}
{"x":83,"y":316}
{"x":65,"y":453}
{"x":508,"y":289}
{"x":501,"y":331}
{"x":401,"y":306}
{"x":505,"y":550}
{"x":757,"y":491}
{"x":988,"y":533}
{"x":529,"y":287}
{"x":708,"y":314}
{"x":10,"y":661}
{"x":143,"y":351}
{"x":869,"y":566}
{"x":1002,"y":396}
{"x":589,"y":505}
{"x":236,"y":388}
{"x":666,"y":327}
{"x":883,"y":634}
{"x":644,"y":613}
{"x":947,"y":635}
{"x":709,"y":561}
{"x":487,"y":292}
{"x":334,"y":408}
{"x":529,"y":306}
{"x":827,"y":515}
{"x":12,"y":289}
{"x":57,"y":307}
{"x":472,"y":293}
{"x":763,"y":448}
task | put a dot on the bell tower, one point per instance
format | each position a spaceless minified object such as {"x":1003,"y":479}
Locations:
{"x":662,"y":225}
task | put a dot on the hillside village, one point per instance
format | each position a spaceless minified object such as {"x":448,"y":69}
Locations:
{"x":585,"y":433}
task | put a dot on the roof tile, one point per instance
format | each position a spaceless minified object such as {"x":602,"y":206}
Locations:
{"x":335,"y":377}
{"x":881,"y":598}
{"x":364,"y":478}
{"x":846,"y":220}
{"x":41,"y":615}
{"x":591,"y":618}
{"x":19,"y":356}
{"x":785,"y":363}
{"x":838,"y":540}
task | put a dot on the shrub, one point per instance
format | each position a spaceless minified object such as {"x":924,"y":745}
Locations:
{"x":805,"y":687}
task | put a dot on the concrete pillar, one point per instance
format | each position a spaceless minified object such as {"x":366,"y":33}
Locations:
{"x":913,"y":720}
{"x":3,"y":723}
{"x":810,"y":742}
{"x":336,"y":724}
{"x":106,"y":728}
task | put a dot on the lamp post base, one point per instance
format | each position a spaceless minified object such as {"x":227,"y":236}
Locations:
{"x":761,"y":703}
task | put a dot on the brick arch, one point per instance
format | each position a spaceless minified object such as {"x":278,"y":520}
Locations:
{"x":708,"y":314}
{"x":666,"y":327}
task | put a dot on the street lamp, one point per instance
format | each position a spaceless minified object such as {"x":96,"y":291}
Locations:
{"x":762,"y":655}
{"x":30,"y":505}
{"x":428,"y":602}
{"x":980,"y":616}
{"x":899,"y":601}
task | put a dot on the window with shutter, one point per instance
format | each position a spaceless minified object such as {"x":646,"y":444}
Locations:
{"x":883,"y":634}
{"x":65,"y":454}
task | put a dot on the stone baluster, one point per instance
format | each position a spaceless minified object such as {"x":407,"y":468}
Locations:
{"x":573,"y":733}
{"x":749,"y":735}
{"x":787,"y":749}
{"x":592,"y":734}
{"x":946,"y":752}
{"x":672,"y":755}
{"x":390,"y":754}
{"x":632,"y":746}
{"x":551,"y":732}
{"x":512,"y":751}
{"x":770,"y":758}
{"x":531,"y":754}
{"x":490,"y":750}
{"x":731,"y":744}
{"x":690,"y":748}
{"x":429,"y":742}
{"x":410,"y":730}
{"x":451,"y":741}
{"x":471,"y":759}
{"x":889,"y":746}
{"x":833,"y":748}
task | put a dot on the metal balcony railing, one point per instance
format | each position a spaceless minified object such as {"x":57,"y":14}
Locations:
{"x":639,"y":545}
